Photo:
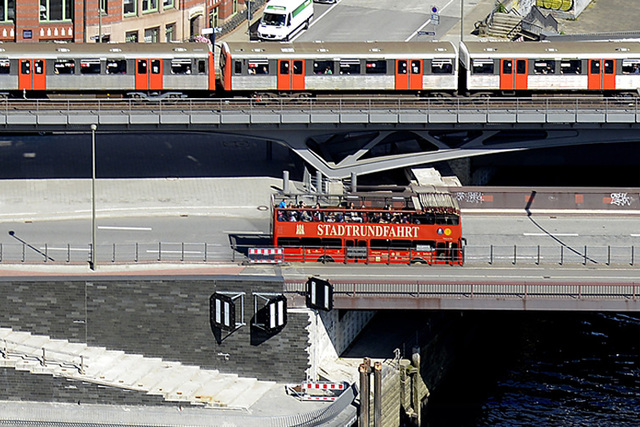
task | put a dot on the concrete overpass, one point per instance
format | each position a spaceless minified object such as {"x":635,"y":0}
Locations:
{"x":340,"y":136}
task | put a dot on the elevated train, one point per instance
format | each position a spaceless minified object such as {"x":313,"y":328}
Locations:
{"x":312,"y":68}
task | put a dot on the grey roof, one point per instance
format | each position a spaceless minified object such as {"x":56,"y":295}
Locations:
{"x":149,"y":50}
{"x":515,"y":49}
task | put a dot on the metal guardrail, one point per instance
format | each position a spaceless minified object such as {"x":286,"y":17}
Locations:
{"x":337,"y":105}
{"x":16,"y":350}
{"x":480,"y":290}
{"x":183,"y":252}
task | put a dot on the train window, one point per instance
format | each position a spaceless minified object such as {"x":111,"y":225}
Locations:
{"x":571,"y":66}
{"x":155,"y":66}
{"x":482,"y":66}
{"x":376,"y":67}
{"x":237,"y":67}
{"x":441,"y":66}
{"x":595,"y":66}
{"x":180,"y":66}
{"x":416,"y":66}
{"x":142,"y":66}
{"x":521,"y":66}
{"x":38,"y":66}
{"x":297,"y":67}
{"x":5,"y":66}
{"x":284,"y":67}
{"x":323,"y":67}
{"x":64,"y":66}
{"x":631,"y":66}
{"x":349,"y":66}
{"x":609,"y":67}
{"x":258,"y":67}
{"x":402,"y":66}
{"x":90,"y":66}
{"x":507,"y":66}
{"x":544,"y":67}
{"x":25,"y":66}
{"x":202,"y":68}
{"x":117,"y":66}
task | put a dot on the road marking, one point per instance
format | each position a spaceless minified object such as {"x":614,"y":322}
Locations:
{"x":634,"y":235}
{"x":108,"y":227}
{"x":415,"y":33}
{"x":550,"y":234}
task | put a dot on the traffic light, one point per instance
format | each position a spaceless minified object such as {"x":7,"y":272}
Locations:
{"x":319,"y":294}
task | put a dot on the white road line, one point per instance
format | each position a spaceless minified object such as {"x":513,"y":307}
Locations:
{"x":550,"y":234}
{"x":109,"y":227}
{"x":314,"y":20}
{"x":634,"y":235}
{"x":427,"y":22}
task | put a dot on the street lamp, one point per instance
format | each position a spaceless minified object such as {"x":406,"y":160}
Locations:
{"x":461,"y":20}
{"x":93,"y":196}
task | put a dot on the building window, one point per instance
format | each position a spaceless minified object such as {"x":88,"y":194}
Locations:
{"x":213,"y":18}
{"x":167,"y":4}
{"x":170,"y":32}
{"x":104,"y":7}
{"x":129,"y":7}
{"x":131,"y":37}
{"x":7,"y":10}
{"x":235,"y":6}
{"x":151,"y":35}
{"x":56,"y":10}
{"x":149,"y":6}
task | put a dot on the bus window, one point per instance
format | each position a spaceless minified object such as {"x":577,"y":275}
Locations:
{"x":332,"y":243}
{"x":424,"y":218}
{"x":400,"y":244}
{"x":379,"y":244}
{"x":289,"y":242}
{"x":310,"y":242}
{"x":424,"y":245}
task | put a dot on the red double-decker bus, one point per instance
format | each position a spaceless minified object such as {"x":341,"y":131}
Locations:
{"x":406,"y":228}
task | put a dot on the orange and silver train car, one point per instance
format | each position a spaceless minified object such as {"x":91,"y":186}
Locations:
{"x":325,"y":67}
{"x":551,"y":67}
{"x":106,"y":68}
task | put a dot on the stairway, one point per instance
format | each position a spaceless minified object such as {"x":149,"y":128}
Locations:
{"x":504,"y":25}
{"x":191,"y":385}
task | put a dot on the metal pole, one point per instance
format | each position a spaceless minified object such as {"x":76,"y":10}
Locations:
{"x":100,"y":4}
{"x":461,"y":20}
{"x":377,"y":394}
{"x":364,"y":394}
{"x":93,"y":197}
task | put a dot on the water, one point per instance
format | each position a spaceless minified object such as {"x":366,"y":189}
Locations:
{"x":577,"y":369}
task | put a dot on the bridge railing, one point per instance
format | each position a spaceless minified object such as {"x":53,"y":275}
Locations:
{"x":203,"y":252}
{"x":394,"y":105}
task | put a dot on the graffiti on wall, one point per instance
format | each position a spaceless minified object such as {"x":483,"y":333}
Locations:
{"x":564,"y":5}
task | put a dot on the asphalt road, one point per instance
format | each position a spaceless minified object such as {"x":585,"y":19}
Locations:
{"x":183,"y":237}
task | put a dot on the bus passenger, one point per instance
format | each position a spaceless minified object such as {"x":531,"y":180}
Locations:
{"x":306,"y":217}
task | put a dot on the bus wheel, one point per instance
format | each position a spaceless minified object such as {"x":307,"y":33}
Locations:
{"x":325,"y":259}
{"x":417,"y":261}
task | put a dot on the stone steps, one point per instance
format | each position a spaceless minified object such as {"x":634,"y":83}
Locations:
{"x":171,"y":380}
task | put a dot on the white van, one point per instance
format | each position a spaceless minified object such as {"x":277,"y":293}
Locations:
{"x":282,"y":18}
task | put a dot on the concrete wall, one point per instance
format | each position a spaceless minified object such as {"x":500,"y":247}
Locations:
{"x":167,"y":318}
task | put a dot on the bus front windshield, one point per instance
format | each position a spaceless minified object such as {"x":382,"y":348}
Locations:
{"x":274,"y":19}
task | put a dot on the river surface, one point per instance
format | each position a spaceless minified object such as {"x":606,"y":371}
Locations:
{"x":547,"y":369}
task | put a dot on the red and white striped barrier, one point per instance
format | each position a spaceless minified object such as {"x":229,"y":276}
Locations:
{"x":266,"y":255}
{"x":324,"y":386}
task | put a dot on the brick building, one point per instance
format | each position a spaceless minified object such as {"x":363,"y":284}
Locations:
{"x":122,"y":20}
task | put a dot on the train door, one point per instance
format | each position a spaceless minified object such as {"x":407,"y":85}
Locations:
{"x":408,"y":74}
{"x":291,"y":74}
{"x":356,"y":251}
{"x":148,"y":74}
{"x":32,"y":74}
{"x":511,"y":79}
{"x":602,"y":74}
